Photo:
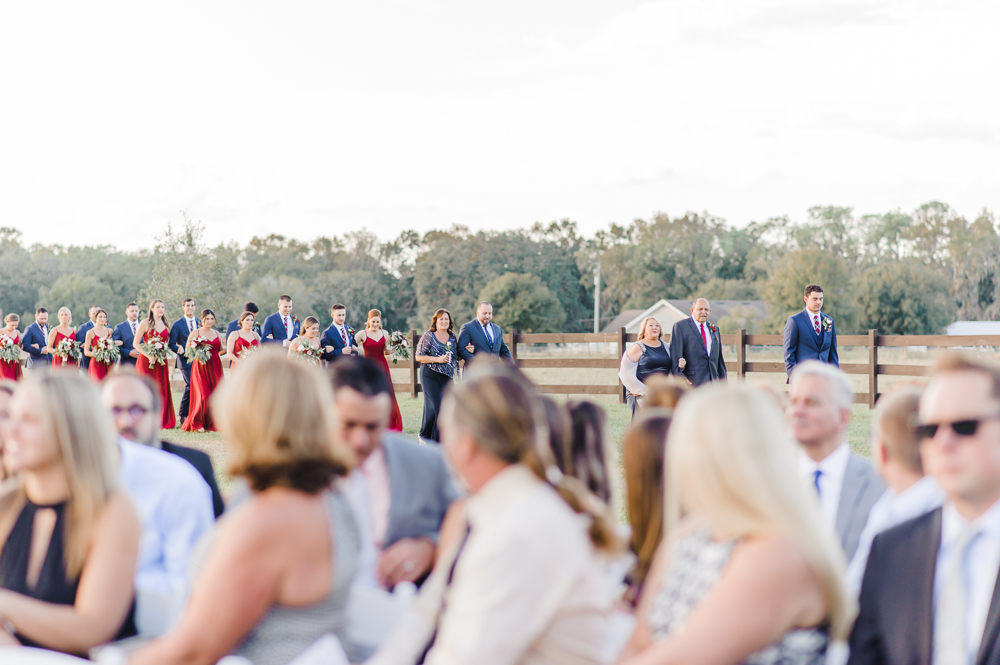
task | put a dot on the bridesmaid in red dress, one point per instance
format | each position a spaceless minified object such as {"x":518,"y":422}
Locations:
{"x":205,"y":377}
{"x":12,"y":369}
{"x":63,"y":331}
{"x":155,"y":324}
{"x":240,"y":339}
{"x":96,"y":369}
{"x":373,"y":341}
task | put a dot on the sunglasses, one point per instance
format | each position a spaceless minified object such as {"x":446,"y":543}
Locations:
{"x":959,"y":427}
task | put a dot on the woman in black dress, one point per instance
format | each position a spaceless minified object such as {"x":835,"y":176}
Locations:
{"x":649,"y":356}
{"x":438,"y":366}
{"x":69,"y":539}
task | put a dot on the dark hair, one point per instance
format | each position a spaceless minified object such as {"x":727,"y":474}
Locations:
{"x":251,"y":307}
{"x":41,"y":310}
{"x":336,"y":307}
{"x":186,"y":301}
{"x":245,"y":315}
{"x":152,"y":319}
{"x":284,"y":299}
{"x":813,"y":288}
{"x":359,"y":374}
{"x":437,"y":315}
{"x":205,"y":312}
{"x":588,"y":460}
{"x":100,"y":311}
{"x":559,"y":424}
{"x":132,"y":304}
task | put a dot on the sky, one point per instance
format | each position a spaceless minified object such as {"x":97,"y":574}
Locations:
{"x":314,"y":118}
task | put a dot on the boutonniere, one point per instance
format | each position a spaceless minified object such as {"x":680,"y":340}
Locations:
{"x":827,"y":323}
{"x":295,"y":319}
{"x":350,"y":331}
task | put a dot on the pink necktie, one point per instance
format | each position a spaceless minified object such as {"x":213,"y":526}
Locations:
{"x":704,"y":338}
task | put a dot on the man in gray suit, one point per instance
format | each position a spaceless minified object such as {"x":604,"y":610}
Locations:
{"x":818,"y":415}
{"x":400,"y":490}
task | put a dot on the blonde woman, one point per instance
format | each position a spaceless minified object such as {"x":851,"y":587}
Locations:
{"x":309,"y":337}
{"x":373,"y":342}
{"x":69,"y":536}
{"x":749,"y":573}
{"x":648,"y":356}
{"x":63,"y":331}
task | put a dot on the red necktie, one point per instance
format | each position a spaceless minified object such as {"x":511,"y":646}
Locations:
{"x":816,"y":322}
{"x":343,"y":335}
{"x":190,"y":326}
{"x":285,"y":319}
{"x":704,"y":337}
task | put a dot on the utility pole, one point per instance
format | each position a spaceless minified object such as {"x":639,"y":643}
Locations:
{"x":597,"y":298}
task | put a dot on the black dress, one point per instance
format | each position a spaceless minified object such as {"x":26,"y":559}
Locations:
{"x":53,"y":585}
{"x":654,"y":360}
{"x":434,"y":378}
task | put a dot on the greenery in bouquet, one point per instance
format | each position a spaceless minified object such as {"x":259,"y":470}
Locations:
{"x":200,"y":351}
{"x":248,"y":352}
{"x":67,"y":349}
{"x":155,"y":349}
{"x":105,"y":350}
{"x":399,"y":347}
{"x":9,"y":351}
{"x":308,"y":353}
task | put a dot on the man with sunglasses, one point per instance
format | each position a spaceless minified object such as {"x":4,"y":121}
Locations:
{"x":930,"y":591}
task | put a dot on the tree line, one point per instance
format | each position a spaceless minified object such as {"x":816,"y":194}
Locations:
{"x":902,"y":273}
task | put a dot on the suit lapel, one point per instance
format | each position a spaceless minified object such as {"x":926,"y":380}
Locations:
{"x":697,"y":336}
{"x":988,"y":647}
{"x":392,"y":469}
{"x":924,"y":565}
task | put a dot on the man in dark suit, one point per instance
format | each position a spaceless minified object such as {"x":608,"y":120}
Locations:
{"x":699,"y":344}
{"x":179,"y":333}
{"x":234,"y":325}
{"x":281,"y":327}
{"x":81,"y":335}
{"x":35,"y":342}
{"x":339,"y":336}
{"x":930,"y":593}
{"x":810,"y":334}
{"x":124,"y":332}
{"x":134,"y":402}
{"x":482,"y":336}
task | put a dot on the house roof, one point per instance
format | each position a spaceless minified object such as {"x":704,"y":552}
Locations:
{"x":622,"y":320}
{"x":973,"y":328}
{"x":720,"y":308}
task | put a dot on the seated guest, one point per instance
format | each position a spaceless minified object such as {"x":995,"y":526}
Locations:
{"x":818,"y":414}
{"x":526,"y":582}
{"x":751,"y":573}
{"x":643,"y":458}
{"x":588,"y":460}
{"x":930,"y":591}
{"x":134,"y":402}
{"x":896,"y":454}
{"x":7,"y":389}
{"x":400,"y":490}
{"x":664,"y":392}
{"x":69,"y":538}
{"x":279,"y":571}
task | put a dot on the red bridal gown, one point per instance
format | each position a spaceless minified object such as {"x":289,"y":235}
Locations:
{"x":160,"y":374}
{"x":238,"y":346}
{"x":205,"y":377}
{"x":12,"y":369}
{"x":375,"y":351}
{"x":67,"y":362}
{"x":98,"y":370}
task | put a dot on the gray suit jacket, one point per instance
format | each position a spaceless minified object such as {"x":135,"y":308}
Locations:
{"x":862,"y":488}
{"x":421,"y":489}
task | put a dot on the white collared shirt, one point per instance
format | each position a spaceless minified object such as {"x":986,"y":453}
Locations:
{"x":982,"y":563}
{"x":343,"y":334}
{"x":708,"y":333}
{"x":833,"y":468}
{"x":891,"y":510}
{"x":192,"y":326}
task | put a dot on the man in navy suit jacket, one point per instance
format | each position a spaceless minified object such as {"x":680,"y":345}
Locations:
{"x":339,"y":336}
{"x":234,"y":325}
{"x":35,"y":341}
{"x":125,"y":333}
{"x":481,"y":335}
{"x":179,"y":332}
{"x":699,"y":344}
{"x":810,"y":334}
{"x":281,"y":327}
{"x":81,"y":335}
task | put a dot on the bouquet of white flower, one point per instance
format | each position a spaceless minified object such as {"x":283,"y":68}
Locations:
{"x":105,"y":350}
{"x":399,"y":347}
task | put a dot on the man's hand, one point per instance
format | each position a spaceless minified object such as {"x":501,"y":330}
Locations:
{"x":133,"y":354}
{"x":470,"y":348}
{"x":406,"y":560}
{"x":35,"y":345}
{"x":682,"y":363}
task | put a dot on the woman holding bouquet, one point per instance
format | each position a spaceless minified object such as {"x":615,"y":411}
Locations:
{"x":10,"y":338}
{"x":154,"y":333}
{"x":306,"y":346}
{"x":243,"y":338}
{"x":438,"y":366}
{"x":100,"y":348}
{"x":373,"y":342}
{"x":204,"y":347}
{"x":67,"y":355}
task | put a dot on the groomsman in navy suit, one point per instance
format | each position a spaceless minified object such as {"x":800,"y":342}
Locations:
{"x":35,"y":341}
{"x":338,"y":336}
{"x":234,"y":325}
{"x":124,"y":332}
{"x":179,"y":332}
{"x":281,"y":327}
{"x":696,"y":347}
{"x":482,"y":336}
{"x":81,"y":335}
{"x":810,"y":334}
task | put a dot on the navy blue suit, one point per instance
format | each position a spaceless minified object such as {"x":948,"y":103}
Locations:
{"x":700,"y":367}
{"x":331,"y":337}
{"x":81,"y":337}
{"x":802,"y":343}
{"x":179,"y":337}
{"x":35,"y":335}
{"x":274,"y":329}
{"x":472,"y":333}
{"x":123,"y":333}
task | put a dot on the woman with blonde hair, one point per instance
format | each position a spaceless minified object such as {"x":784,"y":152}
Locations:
{"x":309,"y":339}
{"x":69,"y":538}
{"x":279,"y":571}
{"x":648,"y":356}
{"x":60,"y":333}
{"x":373,"y":342}
{"x":749,"y":573}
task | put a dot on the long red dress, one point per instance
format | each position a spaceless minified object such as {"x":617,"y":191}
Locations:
{"x":375,"y":351}
{"x":238,"y":347}
{"x":205,"y":377}
{"x":98,"y":370}
{"x":12,"y":370}
{"x":60,"y":362}
{"x":160,"y":374}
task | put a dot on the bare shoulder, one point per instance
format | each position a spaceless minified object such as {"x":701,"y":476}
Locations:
{"x":118,"y":512}
{"x":269,"y":519}
{"x":774,"y":560}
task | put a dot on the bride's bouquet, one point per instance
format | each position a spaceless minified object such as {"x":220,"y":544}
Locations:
{"x":67,"y":349}
{"x":156,"y":350}
{"x":105,"y":350}
{"x":9,"y":351}
{"x":399,"y":347}
{"x":200,"y":351}
{"x":308,"y":353}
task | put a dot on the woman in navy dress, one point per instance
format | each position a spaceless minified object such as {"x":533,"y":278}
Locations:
{"x":647,"y":357}
{"x":438,"y":367}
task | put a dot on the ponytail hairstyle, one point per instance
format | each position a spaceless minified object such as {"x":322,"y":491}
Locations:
{"x":503,"y":413}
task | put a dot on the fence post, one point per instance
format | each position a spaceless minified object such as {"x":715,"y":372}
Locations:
{"x":513,"y":346}
{"x":413,"y":363}
{"x":872,"y":368}
{"x":741,"y":355}
{"x":621,"y":352}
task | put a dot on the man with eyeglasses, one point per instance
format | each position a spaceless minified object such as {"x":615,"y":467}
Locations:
{"x":930,"y":591}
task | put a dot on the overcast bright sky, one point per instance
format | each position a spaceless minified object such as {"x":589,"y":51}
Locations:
{"x":313,"y":118}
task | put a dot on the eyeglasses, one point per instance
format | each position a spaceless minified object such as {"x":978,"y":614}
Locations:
{"x":136,"y":411}
{"x":959,"y":427}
